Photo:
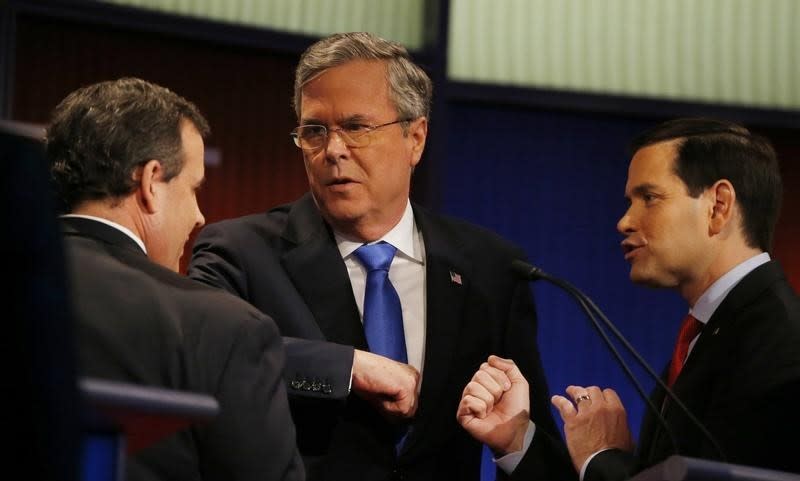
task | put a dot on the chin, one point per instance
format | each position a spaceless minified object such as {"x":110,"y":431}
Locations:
{"x":343,"y":211}
{"x":649,"y":280}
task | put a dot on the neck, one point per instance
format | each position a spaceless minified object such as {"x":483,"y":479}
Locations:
{"x":115,"y":211}
{"x":369,"y":227}
{"x":726,"y":259}
{"x":363,"y":232}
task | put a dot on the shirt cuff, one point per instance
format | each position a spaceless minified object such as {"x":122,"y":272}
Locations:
{"x":588,"y":460}
{"x":350,"y":386}
{"x":509,"y":462}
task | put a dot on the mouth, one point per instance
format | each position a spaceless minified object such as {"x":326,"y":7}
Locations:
{"x":343,"y":180}
{"x":630,"y":249}
{"x":340,"y":183}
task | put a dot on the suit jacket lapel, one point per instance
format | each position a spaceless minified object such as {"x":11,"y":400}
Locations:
{"x":448,"y":281}
{"x":703,"y":361}
{"x":704,"y":358}
{"x":318,"y":272}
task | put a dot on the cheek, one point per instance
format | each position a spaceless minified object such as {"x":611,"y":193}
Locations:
{"x":312,"y":171}
{"x":675,"y":234}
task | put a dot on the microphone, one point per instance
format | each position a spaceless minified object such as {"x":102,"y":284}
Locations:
{"x":533,"y":273}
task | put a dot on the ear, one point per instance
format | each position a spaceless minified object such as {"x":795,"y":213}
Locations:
{"x":148,"y":177}
{"x":417,"y":134}
{"x":723,"y":197}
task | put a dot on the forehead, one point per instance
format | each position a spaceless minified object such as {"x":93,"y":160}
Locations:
{"x":654,"y":164}
{"x":193,"y":150}
{"x":355,"y":88}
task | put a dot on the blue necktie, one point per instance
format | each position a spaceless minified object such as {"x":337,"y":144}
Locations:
{"x":383,"y":315}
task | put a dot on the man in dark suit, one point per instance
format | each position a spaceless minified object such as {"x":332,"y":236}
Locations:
{"x":127,"y":159}
{"x":704,"y":198}
{"x":363,"y":108}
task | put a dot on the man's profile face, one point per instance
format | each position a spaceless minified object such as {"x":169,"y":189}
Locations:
{"x":666,"y":230}
{"x":178,"y":213}
{"x":358,"y":186}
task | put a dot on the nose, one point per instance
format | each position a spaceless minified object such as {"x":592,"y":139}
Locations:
{"x":336,"y":148}
{"x":625,"y":223}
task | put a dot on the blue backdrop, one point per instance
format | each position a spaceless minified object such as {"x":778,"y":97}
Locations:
{"x":554,"y":183}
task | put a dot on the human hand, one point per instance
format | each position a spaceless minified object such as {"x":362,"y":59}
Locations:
{"x":592,"y":423}
{"x":495,"y":406}
{"x":389,"y":385}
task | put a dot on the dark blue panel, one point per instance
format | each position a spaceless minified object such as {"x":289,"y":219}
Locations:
{"x":554,"y":183}
{"x":102,"y":452}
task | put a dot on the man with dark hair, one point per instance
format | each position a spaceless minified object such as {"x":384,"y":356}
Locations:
{"x":127,"y":160}
{"x":704,"y":198}
{"x":360,"y":335}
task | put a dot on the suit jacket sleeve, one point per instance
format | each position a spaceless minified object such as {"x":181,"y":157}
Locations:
{"x":223,"y":256}
{"x":253,"y":437}
{"x":611,"y":465}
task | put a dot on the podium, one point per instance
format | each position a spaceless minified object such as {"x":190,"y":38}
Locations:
{"x":120,"y":419}
{"x":681,"y":468}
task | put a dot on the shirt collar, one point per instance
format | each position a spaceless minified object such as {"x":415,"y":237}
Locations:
{"x":109,"y":223}
{"x":404,"y":236}
{"x":713,"y":296}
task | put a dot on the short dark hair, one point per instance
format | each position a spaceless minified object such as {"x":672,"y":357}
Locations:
{"x":100,"y":134}
{"x":710,"y":150}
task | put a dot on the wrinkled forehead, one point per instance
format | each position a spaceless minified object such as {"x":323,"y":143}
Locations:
{"x":358,"y":87}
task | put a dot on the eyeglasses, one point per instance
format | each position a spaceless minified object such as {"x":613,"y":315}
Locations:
{"x":354,"y":134}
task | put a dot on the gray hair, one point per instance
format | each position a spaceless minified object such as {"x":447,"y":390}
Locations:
{"x":410,"y":88}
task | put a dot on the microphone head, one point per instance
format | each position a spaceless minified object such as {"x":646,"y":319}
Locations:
{"x":527,"y":271}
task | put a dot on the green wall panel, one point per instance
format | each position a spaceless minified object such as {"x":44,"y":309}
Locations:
{"x":739,"y":52}
{"x":399,"y":20}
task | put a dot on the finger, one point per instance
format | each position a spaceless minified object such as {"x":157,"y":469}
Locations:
{"x":493,"y":379}
{"x":576,"y":391}
{"x":488,"y":382}
{"x":580,"y":395}
{"x":403,"y":408}
{"x":595,"y":394}
{"x":564,"y":406}
{"x":611,"y":396}
{"x":472,"y":406}
{"x":477,"y":390}
{"x":499,"y":361}
{"x":508,"y":367}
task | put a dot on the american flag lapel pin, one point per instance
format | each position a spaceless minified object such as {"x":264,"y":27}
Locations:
{"x":455,"y":277}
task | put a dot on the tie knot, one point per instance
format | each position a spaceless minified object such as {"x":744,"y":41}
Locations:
{"x":376,"y":256}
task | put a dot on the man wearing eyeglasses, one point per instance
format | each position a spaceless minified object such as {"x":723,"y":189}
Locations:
{"x":386,"y":308}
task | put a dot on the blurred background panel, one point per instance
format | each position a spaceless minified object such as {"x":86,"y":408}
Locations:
{"x":735,"y":52}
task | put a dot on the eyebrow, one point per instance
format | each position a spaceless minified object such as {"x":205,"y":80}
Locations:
{"x":642,"y":189}
{"x":350,"y":118}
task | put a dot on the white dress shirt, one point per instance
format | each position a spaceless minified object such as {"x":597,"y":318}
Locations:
{"x":107,"y":222}
{"x":407,"y":274}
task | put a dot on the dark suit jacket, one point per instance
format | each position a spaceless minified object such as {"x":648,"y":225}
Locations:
{"x":286,"y":263}
{"x":742,"y":381}
{"x":140,"y":323}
